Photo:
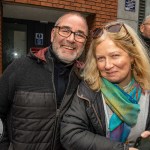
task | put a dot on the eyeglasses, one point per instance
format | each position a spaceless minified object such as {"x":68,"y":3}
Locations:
{"x":146,"y":23}
{"x":66,"y":32}
{"x":112,"y":28}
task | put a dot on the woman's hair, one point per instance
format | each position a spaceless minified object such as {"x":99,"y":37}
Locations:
{"x":128,"y":40}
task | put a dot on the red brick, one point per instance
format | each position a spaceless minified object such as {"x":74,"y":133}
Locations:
{"x":95,"y":7}
{"x":90,"y":3}
{"x":80,"y":1}
{"x":35,"y":2}
{"x":93,"y":11}
{"x":64,"y":3}
{"x":46,"y":4}
{"x":70,"y":0}
{"x":69,"y":7}
{"x":58,"y":6}
{"x":81,"y":9}
{"x":50,"y":1}
{"x":21,"y":1}
{"x":43,"y":0}
{"x":86,"y":6}
{"x":76,"y":4}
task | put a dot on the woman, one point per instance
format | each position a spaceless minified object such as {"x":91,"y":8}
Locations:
{"x":111,"y":107}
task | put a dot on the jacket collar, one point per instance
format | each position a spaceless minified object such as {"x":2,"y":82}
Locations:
{"x":39,"y":55}
{"x":86,"y":93}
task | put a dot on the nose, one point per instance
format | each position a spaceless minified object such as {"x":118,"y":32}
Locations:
{"x":108,"y":64}
{"x":71,"y":38}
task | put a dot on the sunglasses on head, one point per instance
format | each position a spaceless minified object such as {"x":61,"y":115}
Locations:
{"x":112,"y":28}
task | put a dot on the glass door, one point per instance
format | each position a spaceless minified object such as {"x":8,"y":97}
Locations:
{"x":14,"y":42}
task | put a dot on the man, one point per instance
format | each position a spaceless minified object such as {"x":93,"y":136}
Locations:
{"x":36,"y":91}
{"x":145,"y":31}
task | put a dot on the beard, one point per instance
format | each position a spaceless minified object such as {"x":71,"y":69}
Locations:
{"x":63,"y":55}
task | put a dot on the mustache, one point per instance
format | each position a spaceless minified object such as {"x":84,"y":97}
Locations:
{"x":73,"y":45}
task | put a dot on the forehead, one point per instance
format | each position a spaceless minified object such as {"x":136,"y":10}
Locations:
{"x":74,"y":22}
{"x":108,"y":46}
{"x":147,"y":20}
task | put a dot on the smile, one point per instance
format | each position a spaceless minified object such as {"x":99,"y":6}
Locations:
{"x":68,"y":47}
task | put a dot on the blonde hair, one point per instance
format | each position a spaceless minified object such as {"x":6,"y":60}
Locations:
{"x":128,"y":40}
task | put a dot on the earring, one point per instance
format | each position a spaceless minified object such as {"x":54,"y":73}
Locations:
{"x":132,"y":66}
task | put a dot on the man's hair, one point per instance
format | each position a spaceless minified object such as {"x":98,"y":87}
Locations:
{"x":72,"y":13}
{"x":145,"y":19}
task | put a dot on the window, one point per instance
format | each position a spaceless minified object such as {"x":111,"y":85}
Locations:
{"x":141,"y":11}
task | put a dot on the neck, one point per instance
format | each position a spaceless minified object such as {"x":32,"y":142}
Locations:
{"x":125,"y":88}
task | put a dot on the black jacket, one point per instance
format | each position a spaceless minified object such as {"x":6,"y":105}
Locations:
{"x":28,"y":105}
{"x":83,"y":126}
{"x":146,"y":42}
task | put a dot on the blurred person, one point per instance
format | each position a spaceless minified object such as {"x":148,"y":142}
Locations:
{"x":35,"y":91}
{"x":111,"y":107}
{"x":145,"y":32}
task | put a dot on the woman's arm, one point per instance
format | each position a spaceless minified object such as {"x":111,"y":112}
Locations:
{"x":76,"y":133}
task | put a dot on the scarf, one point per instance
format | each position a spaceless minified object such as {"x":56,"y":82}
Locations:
{"x":124,"y":106}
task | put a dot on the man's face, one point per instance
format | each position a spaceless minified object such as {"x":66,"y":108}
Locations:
{"x":145,"y":29}
{"x":68,"y":49}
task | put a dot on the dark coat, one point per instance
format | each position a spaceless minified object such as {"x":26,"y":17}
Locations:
{"x":146,"y":43}
{"x":28,"y":105}
{"x":83,"y":126}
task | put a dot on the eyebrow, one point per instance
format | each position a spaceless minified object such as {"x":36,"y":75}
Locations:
{"x":146,"y":23}
{"x":75,"y":31}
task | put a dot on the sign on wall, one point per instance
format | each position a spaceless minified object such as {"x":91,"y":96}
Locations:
{"x":130,"y":5}
{"x":38,"y":38}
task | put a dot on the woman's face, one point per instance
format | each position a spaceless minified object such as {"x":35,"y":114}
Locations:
{"x":113,"y":63}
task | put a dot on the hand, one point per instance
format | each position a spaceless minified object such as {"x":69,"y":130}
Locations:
{"x":131,"y":148}
{"x":145,"y":134}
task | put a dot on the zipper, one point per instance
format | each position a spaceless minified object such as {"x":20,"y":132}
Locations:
{"x":100,"y":123}
{"x":57,"y":111}
{"x":66,"y":90}
{"x":91,"y":105}
{"x":57,"y":115}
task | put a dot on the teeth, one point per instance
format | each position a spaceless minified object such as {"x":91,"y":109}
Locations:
{"x":68,"y":47}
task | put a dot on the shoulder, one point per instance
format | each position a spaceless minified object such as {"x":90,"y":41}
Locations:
{"x":83,"y":88}
{"x":86,"y":92}
{"x":15,"y":64}
{"x":18,"y":64}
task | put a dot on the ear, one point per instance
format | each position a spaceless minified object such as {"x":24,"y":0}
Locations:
{"x":142,"y":28}
{"x":52,"y":34}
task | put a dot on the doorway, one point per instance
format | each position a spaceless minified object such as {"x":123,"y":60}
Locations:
{"x":19,"y":36}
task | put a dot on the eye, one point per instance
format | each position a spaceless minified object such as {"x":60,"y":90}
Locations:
{"x":79,"y":34}
{"x":115,"y":55}
{"x":66,"y":30}
{"x":100,"y":59}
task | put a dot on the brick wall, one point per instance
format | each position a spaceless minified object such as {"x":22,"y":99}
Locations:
{"x":104,"y":10}
{"x":101,"y":10}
